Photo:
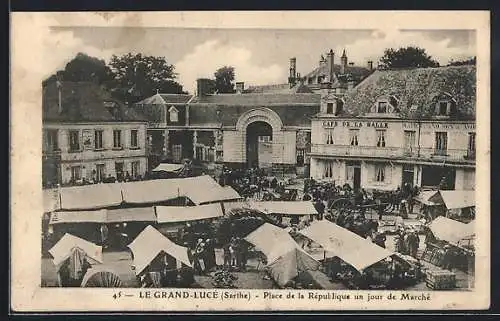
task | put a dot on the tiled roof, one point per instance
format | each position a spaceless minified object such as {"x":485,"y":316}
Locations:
{"x":159,"y":99}
{"x":256,"y":99}
{"x":356,"y":71}
{"x":83,"y":102}
{"x":279,"y":89}
{"x":416,"y":87}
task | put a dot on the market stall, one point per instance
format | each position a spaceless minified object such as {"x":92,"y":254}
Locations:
{"x":159,"y":262}
{"x":457,"y":204}
{"x":73,"y":256}
{"x":187,"y":223}
{"x":167,"y":170}
{"x":352,"y":259}
{"x":101,"y":277}
{"x":285,"y":259}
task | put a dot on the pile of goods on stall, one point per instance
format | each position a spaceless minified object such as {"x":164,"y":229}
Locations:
{"x":223,"y":279}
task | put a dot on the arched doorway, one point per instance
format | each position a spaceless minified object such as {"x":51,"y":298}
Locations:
{"x":259,"y":144}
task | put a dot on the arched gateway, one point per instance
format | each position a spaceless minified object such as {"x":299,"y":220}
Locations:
{"x":261,"y":127}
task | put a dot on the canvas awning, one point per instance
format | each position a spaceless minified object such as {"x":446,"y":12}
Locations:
{"x":450,"y":230}
{"x":89,"y":197}
{"x":204,"y":189}
{"x":424,"y":198}
{"x":174,"y":214}
{"x":285,"y":208}
{"x":149,"y":243}
{"x":140,"y":214}
{"x":51,"y":200}
{"x":64,"y":248}
{"x":98,"y":216}
{"x":285,"y":259}
{"x":455,"y":199}
{"x":152,"y":191}
{"x":171,"y":168}
{"x":342,"y":243}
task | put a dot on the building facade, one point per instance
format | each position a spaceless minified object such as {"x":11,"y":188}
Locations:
{"x":402,"y":126}
{"x":264,"y":126}
{"x":88,"y":136}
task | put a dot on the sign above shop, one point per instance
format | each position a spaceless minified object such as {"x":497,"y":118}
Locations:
{"x":354,"y":124}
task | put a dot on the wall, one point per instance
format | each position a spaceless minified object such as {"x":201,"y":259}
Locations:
{"x":233,"y":146}
{"x":465,"y":179}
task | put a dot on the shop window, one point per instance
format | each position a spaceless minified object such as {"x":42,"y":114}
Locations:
{"x":380,"y":138}
{"x":328,"y":169}
{"x":379,"y":173}
{"x":100,"y":172}
{"x":354,"y":137}
{"x":301,"y":153}
{"x":177,"y":152}
{"x":76,"y":173}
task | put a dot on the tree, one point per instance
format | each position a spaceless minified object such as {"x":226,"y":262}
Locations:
{"x":466,"y":62}
{"x":137,"y":77}
{"x":224,"y":80}
{"x":84,"y":68}
{"x":409,"y":57}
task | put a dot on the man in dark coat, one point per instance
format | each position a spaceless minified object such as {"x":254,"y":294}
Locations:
{"x":320,"y":208}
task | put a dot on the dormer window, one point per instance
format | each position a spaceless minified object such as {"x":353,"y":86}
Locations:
{"x":173,"y":114}
{"x":445,"y":104}
{"x":382,"y":107}
{"x":329,"y":108}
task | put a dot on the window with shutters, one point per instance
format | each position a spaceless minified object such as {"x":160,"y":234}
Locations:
{"x":74,"y":141}
{"x":354,"y":137}
{"x":117,"y":138}
{"x":133,"y":138}
{"x":100,"y":172}
{"x":98,"y":143}
{"x":471,"y":147}
{"x":441,"y":143}
{"x":329,"y":137}
{"x":380,"y":138}
{"x":76,"y":173}
{"x":135,"y":168}
{"x":409,"y":143}
{"x":328,"y":169}
{"x":51,"y":140}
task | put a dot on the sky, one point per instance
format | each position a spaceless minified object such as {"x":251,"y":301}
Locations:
{"x":259,"y":56}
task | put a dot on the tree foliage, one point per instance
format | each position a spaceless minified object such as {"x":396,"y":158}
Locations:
{"x":137,"y":77}
{"x":409,"y":57}
{"x":466,"y":62}
{"x":130,"y":77}
{"x":224,"y":80}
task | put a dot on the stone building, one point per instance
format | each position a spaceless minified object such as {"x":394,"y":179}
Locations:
{"x":397,"y":126}
{"x":88,"y":135}
{"x":265,"y":126}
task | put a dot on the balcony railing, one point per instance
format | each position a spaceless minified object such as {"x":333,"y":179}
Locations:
{"x":438,"y":155}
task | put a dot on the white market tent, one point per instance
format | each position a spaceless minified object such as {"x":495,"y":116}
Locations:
{"x":285,"y":208}
{"x":139,"y":214}
{"x":63,"y":249}
{"x":175,"y":214}
{"x":149,"y":243}
{"x":89,"y":197}
{"x":285,"y":259}
{"x":200,"y":190}
{"x":455,"y":199}
{"x":342,"y":243}
{"x":425,"y":196}
{"x":171,"y":168}
{"x":275,"y":207}
{"x":450,"y":230}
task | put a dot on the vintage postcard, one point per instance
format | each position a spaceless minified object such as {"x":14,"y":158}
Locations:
{"x":250,"y":161}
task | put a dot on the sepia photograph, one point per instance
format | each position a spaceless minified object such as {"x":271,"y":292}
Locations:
{"x":325,"y":159}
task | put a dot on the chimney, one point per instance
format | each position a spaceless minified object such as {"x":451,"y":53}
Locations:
{"x":370,"y":65}
{"x":293,"y":72}
{"x":240,"y":87}
{"x":343,"y":62}
{"x":330,"y":63}
{"x":203,"y":86}
{"x":59,"y":79}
